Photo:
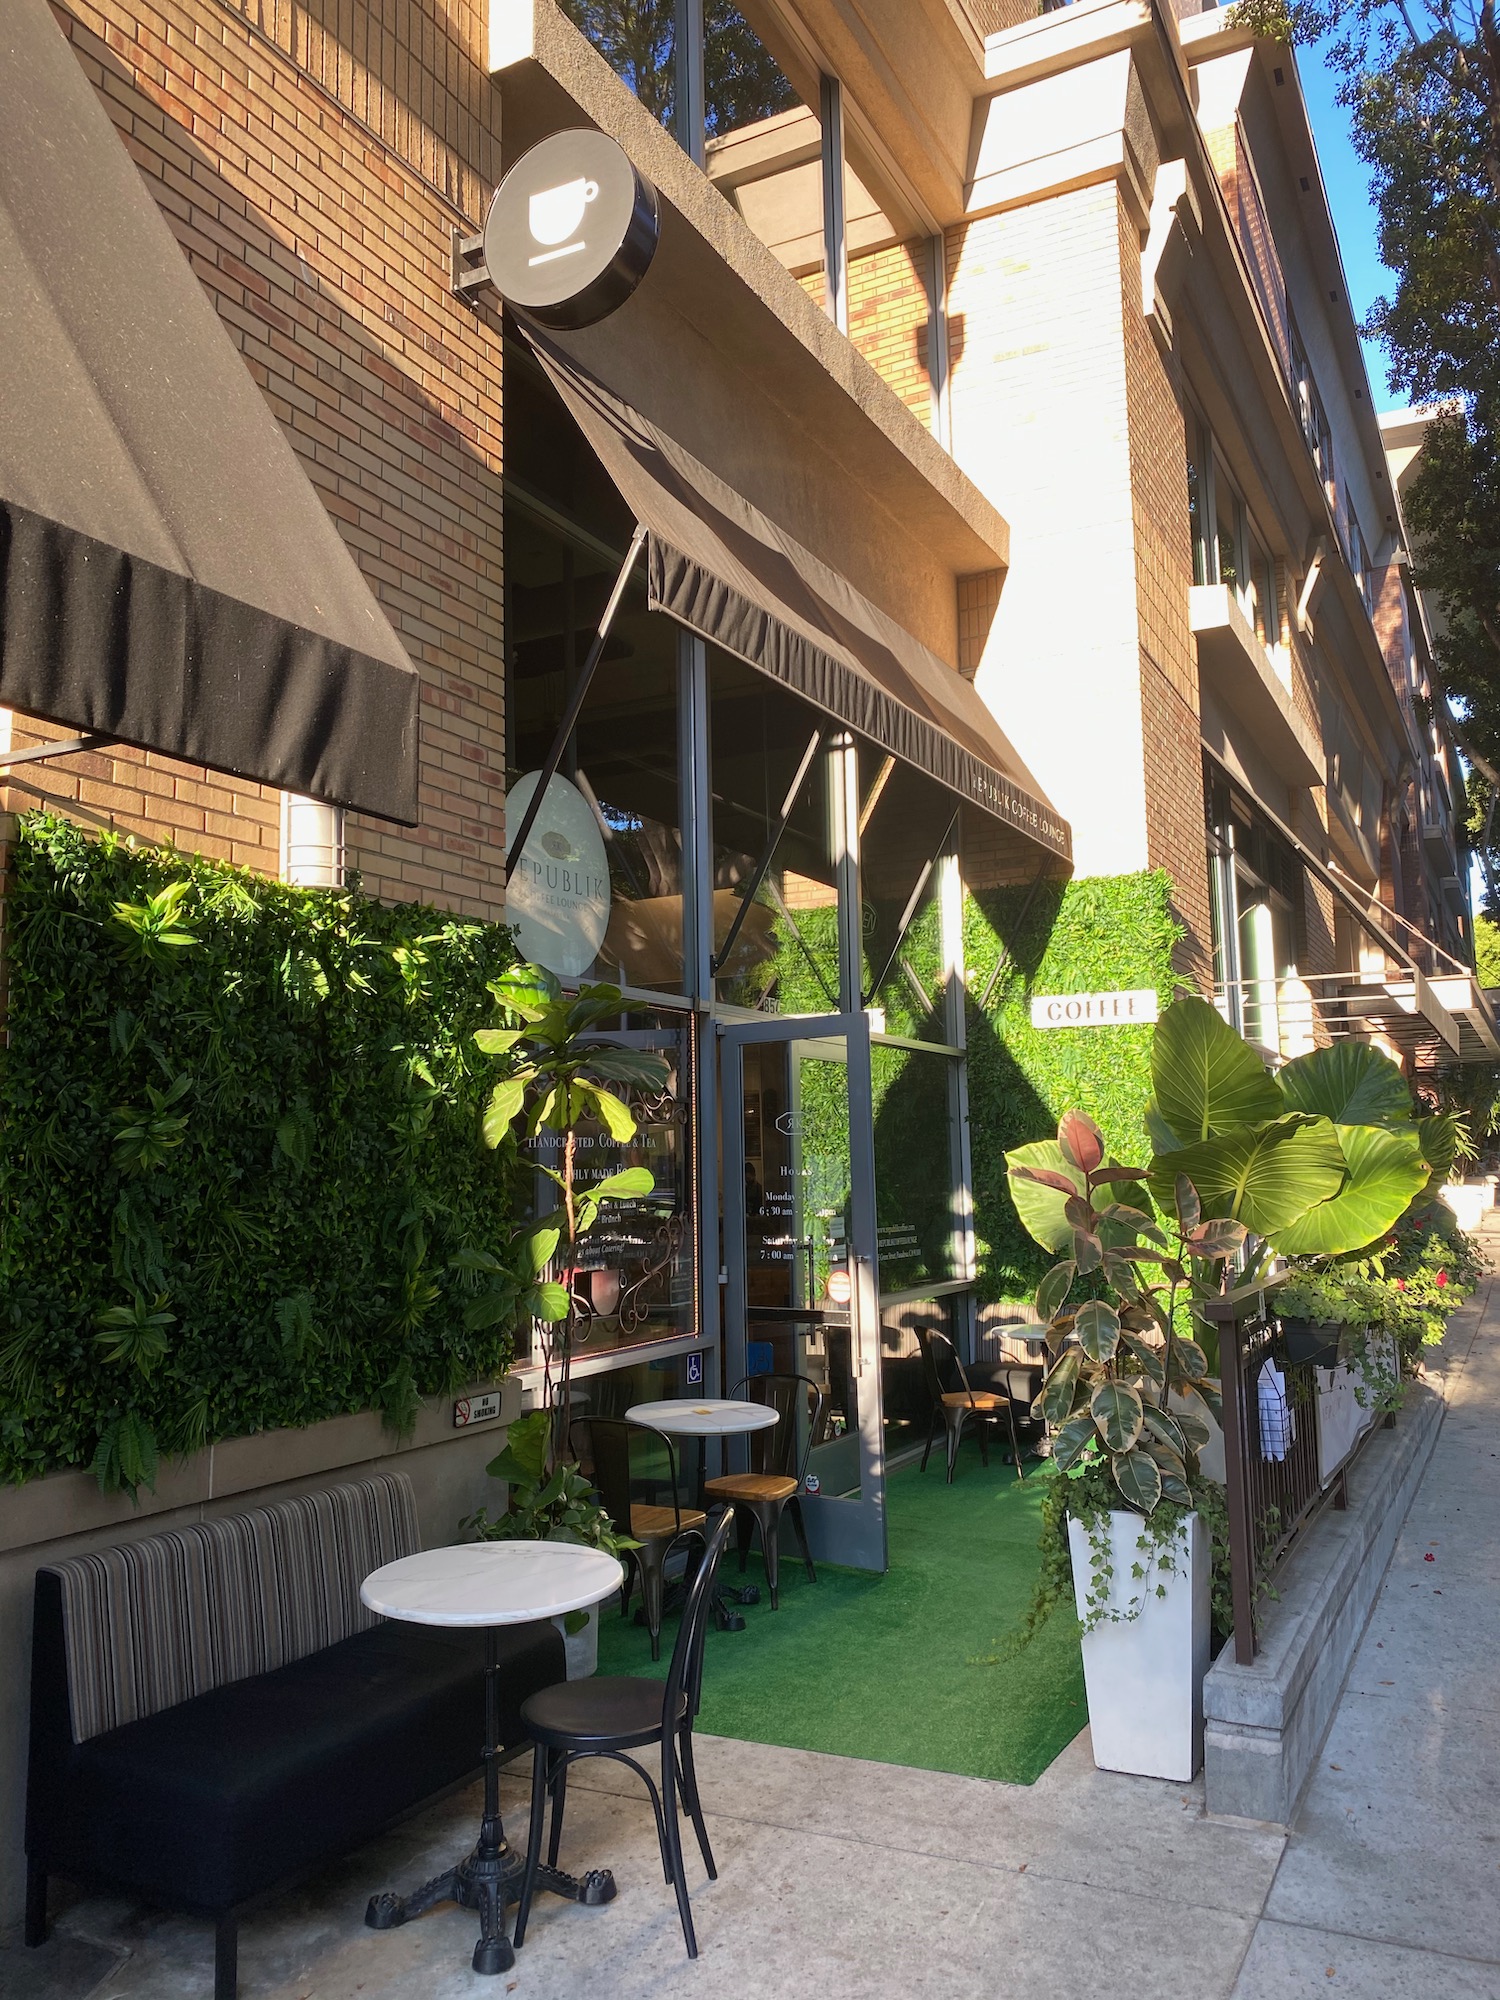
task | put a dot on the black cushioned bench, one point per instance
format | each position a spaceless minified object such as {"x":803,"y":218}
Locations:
{"x":214,"y":1712}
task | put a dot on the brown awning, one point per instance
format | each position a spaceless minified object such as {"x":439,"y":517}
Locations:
{"x":722,"y":567}
{"x":168,"y":576}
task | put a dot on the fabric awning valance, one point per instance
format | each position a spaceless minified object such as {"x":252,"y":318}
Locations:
{"x":724,"y":568}
{"x":168,"y":576}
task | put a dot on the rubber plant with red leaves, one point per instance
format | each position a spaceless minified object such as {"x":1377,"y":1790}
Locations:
{"x":1125,"y":1382}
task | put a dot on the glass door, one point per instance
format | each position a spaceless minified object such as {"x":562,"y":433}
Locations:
{"x":800,"y":1265}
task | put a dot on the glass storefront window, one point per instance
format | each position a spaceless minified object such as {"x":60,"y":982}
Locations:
{"x":905,"y":1404}
{"x":612,"y":818}
{"x":633,"y":1277}
{"x":907,"y":825}
{"x":916,"y":1203}
{"x":775,"y":882}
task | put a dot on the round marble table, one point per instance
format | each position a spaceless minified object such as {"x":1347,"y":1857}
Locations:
{"x":490,"y":1584}
{"x":700,"y":1418}
{"x":703,"y":1416}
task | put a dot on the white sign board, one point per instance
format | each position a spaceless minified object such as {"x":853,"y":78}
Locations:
{"x":1094,"y":1010}
{"x":558,"y":897}
{"x":476,"y":1409}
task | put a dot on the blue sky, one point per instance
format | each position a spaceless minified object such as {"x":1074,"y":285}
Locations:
{"x":1347,"y":181}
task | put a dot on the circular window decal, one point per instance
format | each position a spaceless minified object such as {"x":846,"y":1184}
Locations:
{"x":558,"y":898}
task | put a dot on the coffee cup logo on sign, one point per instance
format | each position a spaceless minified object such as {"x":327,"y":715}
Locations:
{"x":571,"y":230}
{"x":557,"y":213}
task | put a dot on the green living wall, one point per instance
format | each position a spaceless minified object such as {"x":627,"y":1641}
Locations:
{"x":239,"y":1157}
{"x":1107,"y":934}
{"x":1102,"y":935}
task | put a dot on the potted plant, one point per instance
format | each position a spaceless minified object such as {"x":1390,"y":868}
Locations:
{"x":558,"y":1066}
{"x":1128,"y":1397}
{"x":559,"y":1506}
{"x":1314,"y":1308}
{"x":1318,"y":1160}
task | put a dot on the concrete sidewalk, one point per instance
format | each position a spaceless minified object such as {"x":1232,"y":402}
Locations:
{"x":1390,"y":1883}
{"x":844,"y":1879}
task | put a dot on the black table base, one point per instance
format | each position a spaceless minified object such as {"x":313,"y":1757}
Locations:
{"x":490,"y":1877}
{"x":486,"y":1882}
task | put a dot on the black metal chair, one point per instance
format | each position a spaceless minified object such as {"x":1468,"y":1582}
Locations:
{"x":605,"y":1447}
{"x":955,"y":1407}
{"x":778,"y":1464}
{"x":610,"y":1717}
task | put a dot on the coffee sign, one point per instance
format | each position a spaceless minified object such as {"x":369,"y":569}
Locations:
{"x":571,"y":230}
{"x":1094,"y":1010}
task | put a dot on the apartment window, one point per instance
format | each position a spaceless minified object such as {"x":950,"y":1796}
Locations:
{"x":773,"y":144}
{"x":1304,"y":393}
{"x":1262,"y":599}
{"x":1259,"y":919}
{"x":638,"y":39}
{"x":1229,"y":534}
{"x":697,"y":65}
{"x":1227,"y":546}
{"x":1364,"y":570}
{"x":1197,"y":506}
{"x":742,"y":84}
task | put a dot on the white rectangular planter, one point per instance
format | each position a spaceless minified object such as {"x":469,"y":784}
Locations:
{"x":1348,"y":1400}
{"x":581,"y":1648}
{"x":1144,"y":1675}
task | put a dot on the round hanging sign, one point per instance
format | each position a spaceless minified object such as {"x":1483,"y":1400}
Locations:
{"x":558,"y":896}
{"x":571,"y":230}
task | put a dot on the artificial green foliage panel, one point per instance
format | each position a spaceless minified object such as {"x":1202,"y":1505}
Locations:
{"x":239,"y":1154}
{"x":1106,"y":934}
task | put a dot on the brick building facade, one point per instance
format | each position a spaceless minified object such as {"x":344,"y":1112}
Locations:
{"x":312,"y":183}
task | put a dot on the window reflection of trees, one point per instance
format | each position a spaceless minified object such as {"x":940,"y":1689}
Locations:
{"x":638,"y":39}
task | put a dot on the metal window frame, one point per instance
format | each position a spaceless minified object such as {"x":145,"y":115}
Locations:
{"x":835,"y":221}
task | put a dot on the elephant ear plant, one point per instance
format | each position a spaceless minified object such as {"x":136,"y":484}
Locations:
{"x":1317,"y":1161}
{"x":1127,"y":1391}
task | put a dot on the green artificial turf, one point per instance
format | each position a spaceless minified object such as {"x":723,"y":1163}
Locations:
{"x":892,"y":1667}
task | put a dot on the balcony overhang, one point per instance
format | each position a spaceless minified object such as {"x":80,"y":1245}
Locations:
{"x":1242,"y":677}
{"x":728,"y":352}
{"x":1431,"y":1020}
{"x":1456,"y":1010}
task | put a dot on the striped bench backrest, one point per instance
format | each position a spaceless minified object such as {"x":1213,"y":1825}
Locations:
{"x":152,"y":1623}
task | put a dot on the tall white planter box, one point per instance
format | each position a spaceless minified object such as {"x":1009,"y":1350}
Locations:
{"x":1144,"y":1675}
{"x":581,"y":1648}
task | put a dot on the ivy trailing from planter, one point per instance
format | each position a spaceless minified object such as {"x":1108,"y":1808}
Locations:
{"x":241,"y":1184}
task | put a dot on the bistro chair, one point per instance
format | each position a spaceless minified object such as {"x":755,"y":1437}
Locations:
{"x":778,"y":1459}
{"x":607,"y":1447}
{"x":1021,"y":1382}
{"x":610,"y":1717}
{"x":955,"y":1407}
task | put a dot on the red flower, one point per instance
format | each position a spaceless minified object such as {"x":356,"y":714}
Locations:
{"x":1442,"y":1277}
{"x":1401,"y":1284}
